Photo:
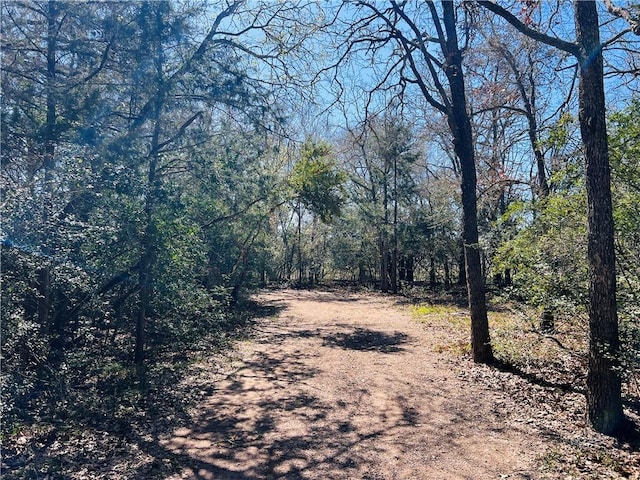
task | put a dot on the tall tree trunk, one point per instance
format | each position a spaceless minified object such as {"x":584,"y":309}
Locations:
{"x":547,"y":320}
{"x":393,"y":264}
{"x":410,"y":270}
{"x":149,"y":237}
{"x":530,"y":107}
{"x":447,"y":274}
{"x":147,"y":263}
{"x":384,"y":236}
{"x":604,"y":402}
{"x":460,"y":125}
{"x":312,"y":260}
{"x":604,"y":398}
{"x":402,"y":269}
{"x":529,"y":104}
{"x":432,"y":272}
{"x":299,"y":243}
{"x":394,"y":251}
{"x":462,"y":269}
{"x":393,"y":269}
{"x":384,"y":262}
{"x":44,"y":273}
{"x":145,"y":295}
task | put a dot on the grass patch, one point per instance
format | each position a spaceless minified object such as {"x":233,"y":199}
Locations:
{"x":458,"y":347}
{"x":550,"y":460}
{"x":428,"y":309}
{"x":517,"y":340}
{"x":544,"y":374}
{"x":451,"y":324}
{"x":440,"y":315}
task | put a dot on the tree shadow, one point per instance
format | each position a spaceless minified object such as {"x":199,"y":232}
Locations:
{"x":108,"y":408}
{"x":253,"y":309}
{"x":529,"y":377}
{"x":628,"y":433}
{"x":254,"y":447}
{"x":324,"y":294}
{"x":369,"y":340}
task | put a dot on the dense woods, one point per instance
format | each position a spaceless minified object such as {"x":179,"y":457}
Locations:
{"x":162,"y":159}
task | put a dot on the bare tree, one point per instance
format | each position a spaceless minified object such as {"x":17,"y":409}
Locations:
{"x":419,"y":46}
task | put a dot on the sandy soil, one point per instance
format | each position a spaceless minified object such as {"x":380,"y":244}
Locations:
{"x":339,"y":386}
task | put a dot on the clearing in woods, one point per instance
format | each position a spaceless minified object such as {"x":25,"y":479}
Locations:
{"x":341,"y":385}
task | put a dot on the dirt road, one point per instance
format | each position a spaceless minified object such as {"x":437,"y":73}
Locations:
{"x":339,"y":386}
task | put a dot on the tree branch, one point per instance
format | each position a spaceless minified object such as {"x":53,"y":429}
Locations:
{"x":634,"y":23}
{"x":569,"y":47}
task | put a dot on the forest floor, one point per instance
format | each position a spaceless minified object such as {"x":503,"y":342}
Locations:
{"x":333,"y":384}
{"x":338,"y":386}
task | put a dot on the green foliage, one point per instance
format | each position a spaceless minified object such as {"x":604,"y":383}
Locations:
{"x":624,"y":140}
{"x":625,"y":155}
{"x":547,"y":252}
{"x":442,"y":310}
{"x":317,"y":182}
{"x":547,"y":249}
{"x":140,"y":157}
{"x":559,"y":134}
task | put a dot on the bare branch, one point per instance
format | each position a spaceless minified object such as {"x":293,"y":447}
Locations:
{"x":179,"y":133}
{"x":563,"y":45}
{"x":620,"y":12}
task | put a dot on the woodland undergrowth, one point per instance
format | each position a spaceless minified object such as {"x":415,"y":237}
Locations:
{"x":543,"y":376}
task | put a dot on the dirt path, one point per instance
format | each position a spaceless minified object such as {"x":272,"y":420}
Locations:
{"x":340,"y":386}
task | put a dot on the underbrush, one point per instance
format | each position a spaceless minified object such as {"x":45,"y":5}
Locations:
{"x":99,"y":418}
{"x":517,"y":340}
{"x":544,"y":376}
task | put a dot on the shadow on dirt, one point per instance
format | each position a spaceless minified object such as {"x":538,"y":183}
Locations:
{"x":366,"y":339}
{"x":110,"y":422}
{"x":535,"y":379}
{"x":263,"y":423}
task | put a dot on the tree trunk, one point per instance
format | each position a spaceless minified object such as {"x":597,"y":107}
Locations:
{"x":384,"y":263}
{"x":143,"y":307}
{"x":462,"y":269}
{"x":604,"y":402}
{"x":263,"y":275}
{"x":409,"y":265}
{"x":299,"y":243}
{"x":312,"y":262}
{"x":432,"y":272}
{"x":394,"y":251}
{"x":604,"y":399}
{"x":547,"y":321}
{"x":393,"y":264}
{"x":447,"y":274}
{"x":44,"y":273}
{"x":362,"y":274}
{"x":384,"y":236}
{"x":149,"y":237}
{"x":460,"y":125}
{"x":147,"y":264}
{"x":529,"y":104}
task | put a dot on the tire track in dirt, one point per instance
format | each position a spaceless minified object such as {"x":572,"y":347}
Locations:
{"x":347,"y":386}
